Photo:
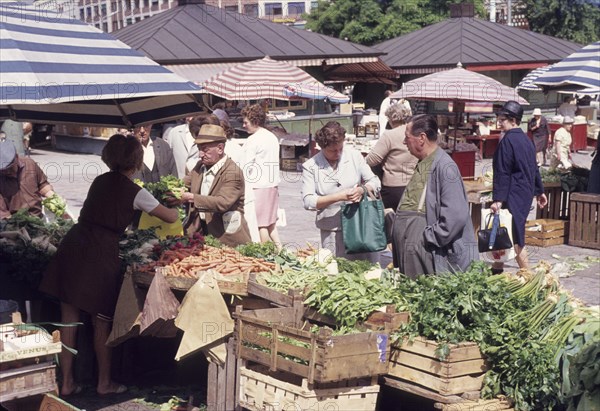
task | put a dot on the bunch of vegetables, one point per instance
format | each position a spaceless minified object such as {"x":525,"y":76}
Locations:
{"x":167,"y":187}
{"x":56,"y":205}
{"x":27,"y":244}
{"x":350,"y":298}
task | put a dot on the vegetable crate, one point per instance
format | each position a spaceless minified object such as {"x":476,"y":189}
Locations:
{"x":478,"y":405}
{"x":584,"y":227}
{"x":27,"y":381}
{"x":237,"y":285}
{"x":261,"y":392}
{"x":279,"y":338}
{"x":461,"y":372}
{"x":545,"y":233}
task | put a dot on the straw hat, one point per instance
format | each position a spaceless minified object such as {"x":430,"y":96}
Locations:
{"x":537,"y":112}
{"x":210,"y":133}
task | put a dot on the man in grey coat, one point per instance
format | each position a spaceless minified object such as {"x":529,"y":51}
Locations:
{"x":432,"y":231}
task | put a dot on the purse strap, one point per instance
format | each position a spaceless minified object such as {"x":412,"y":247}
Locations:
{"x":494,"y":232}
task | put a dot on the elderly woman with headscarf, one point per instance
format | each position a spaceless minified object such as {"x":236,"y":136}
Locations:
{"x":334,"y":176}
{"x":390,"y":151}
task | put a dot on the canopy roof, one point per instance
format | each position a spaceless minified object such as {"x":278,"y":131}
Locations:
{"x":198,"y":33}
{"x":478,"y":44}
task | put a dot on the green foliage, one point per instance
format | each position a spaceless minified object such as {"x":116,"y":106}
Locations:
{"x":266,"y":251}
{"x":373,"y":21}
{"x":573,"y":20}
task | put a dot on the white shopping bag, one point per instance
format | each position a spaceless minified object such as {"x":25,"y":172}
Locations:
{"x":505,"y":221}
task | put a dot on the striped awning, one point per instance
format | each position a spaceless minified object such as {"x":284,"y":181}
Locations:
{"x":458,"y":85}
{"x":61,"y":70}
{"x":267,"y":78}
{"x":528,"y":81}
{"x":578,"y":71}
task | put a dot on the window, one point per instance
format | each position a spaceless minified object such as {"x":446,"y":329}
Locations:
{"x":115,"y":25}
{"x":288,"y":105}
{"x":273,"y":9}
{"x":314,"y":5}
{"x":251,"y":10}
{"x":113,"y":6}
{"x":231,"y":8}
{"x":105,"y":27}
{"x":146,"y":3}
{"x":129,"y":21}
{"x":296,"y":8}
{"x":81,"y":14}
{"x":103,"y":9}
{"x":96,"y":11}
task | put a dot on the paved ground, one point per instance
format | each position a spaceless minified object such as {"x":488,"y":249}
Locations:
{"x":71,"y":174}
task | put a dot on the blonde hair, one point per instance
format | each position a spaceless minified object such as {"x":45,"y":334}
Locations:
{"x":398,"y":113}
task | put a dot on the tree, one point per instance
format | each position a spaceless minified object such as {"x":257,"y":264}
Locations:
{"x":372,"y":21}
{"x":573,"y":20}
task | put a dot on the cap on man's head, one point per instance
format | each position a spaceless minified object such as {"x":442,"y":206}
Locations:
{"x":568,"y":120}
{"x":512,"y":109}
{"x":8,"y":152}
{"x":537,"y":112}
{"x":210,"y":133}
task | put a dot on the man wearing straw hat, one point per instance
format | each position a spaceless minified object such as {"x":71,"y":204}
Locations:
{"x":216,"y":194}
{"x":540,"y":130}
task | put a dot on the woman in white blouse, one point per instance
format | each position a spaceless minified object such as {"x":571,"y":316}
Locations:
{"x":333,"y":177}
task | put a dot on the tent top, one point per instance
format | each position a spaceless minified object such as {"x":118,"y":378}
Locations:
{"x":199,"y":33}
{"x":473,"y":42}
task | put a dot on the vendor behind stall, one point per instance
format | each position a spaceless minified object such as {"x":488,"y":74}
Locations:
{"x":23,"y":184}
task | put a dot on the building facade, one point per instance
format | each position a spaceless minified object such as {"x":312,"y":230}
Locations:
{"x":111,"y":15}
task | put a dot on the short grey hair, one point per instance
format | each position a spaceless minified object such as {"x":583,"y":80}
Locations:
{"x":398,"y":113}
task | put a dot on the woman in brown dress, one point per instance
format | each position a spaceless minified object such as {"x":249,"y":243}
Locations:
{"x":85,"y":272}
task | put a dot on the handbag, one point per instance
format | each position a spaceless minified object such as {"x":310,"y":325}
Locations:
{"x":363,"y":226}
{"x":498,"y":256}
{"x":495,"y":238}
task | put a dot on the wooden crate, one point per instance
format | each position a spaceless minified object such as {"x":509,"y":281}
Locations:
{"x":551,"y":232}
{"x":462,"y":371}
{"x":558,"y":203}
{"x":236,"y":286}
{"x":289,"y":164}
{"x":22,"y":345}
{"x":477,"y":405}
{"x":27,"y":381}
{"x":263,"y":337}
{"x":261,"y":392}
{"x":584,"y":223}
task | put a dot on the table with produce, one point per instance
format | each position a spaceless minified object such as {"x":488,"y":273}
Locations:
{"x":330,"y":330}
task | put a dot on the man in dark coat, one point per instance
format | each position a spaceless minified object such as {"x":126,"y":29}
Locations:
{"x":516,"y":177}
{"x":158,"y":157}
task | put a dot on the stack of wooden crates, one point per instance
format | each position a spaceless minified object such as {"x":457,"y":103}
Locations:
{"x":286,"y":366}
{"x":26,"y":360}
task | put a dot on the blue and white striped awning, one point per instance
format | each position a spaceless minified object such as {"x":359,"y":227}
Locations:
{"x":57,"y":69}
{"x":527,"y":82}
{"x":578,"y":71}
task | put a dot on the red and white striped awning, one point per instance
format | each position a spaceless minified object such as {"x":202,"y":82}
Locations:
{"x":266,"y":78}
{"x":458,"y":85}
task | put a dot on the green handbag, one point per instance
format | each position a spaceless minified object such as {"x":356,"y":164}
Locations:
{"x":363,"y":226}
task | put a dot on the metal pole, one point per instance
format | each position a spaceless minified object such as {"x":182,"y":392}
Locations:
{"x":493,"y":11}
{"x":509,"y":13}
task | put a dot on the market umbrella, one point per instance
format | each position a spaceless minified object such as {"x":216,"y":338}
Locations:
{"x":268,"y":78}
{"x":61,"y":70}
{"x":528,"y":81}
{"x":458,"y":86}
{"x":580,"y":70}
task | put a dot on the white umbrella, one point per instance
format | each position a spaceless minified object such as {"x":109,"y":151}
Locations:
{"x":61,"y":70}
{"x":580,"y":70}
{"x":458,"y":85}
{"x":268,"y":78}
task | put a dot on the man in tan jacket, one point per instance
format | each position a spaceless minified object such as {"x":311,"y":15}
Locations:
{"x":216,"y":194}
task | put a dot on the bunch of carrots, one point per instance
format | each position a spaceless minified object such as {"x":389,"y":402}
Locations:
{"x":188,"y":262}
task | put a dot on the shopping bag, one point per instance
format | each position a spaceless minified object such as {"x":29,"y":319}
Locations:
{"x":162,"y":229}
{"x":363,"y":226}
{"x":493,"y":238}
{"x":505,"y":218}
